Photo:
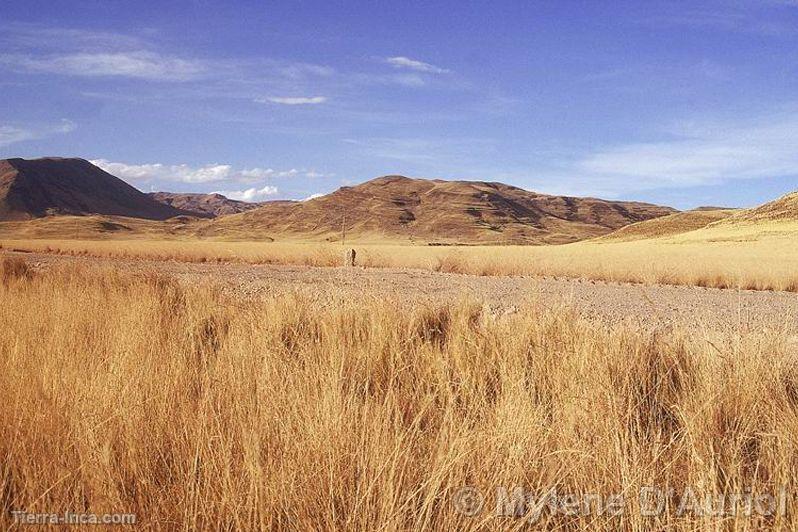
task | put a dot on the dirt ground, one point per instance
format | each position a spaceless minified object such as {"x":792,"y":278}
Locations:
{"x":641,"y":306}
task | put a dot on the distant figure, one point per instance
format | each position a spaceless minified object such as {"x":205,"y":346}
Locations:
{"x":349,"y":260}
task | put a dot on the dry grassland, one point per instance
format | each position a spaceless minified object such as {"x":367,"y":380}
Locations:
{"x":131,"y":393}
{"x":748,"y":256}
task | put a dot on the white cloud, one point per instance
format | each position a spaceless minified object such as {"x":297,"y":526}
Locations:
{"x":250,"y":194}
{"x":132,"y":64}
{"x":177,"y":172}
{"x":413,"y":64}
{"x":293,"y":100}
{"x":313,"y":196}
{"x":184,"y":173}
{"x":13,"y":134}
{"x":205,"y":174}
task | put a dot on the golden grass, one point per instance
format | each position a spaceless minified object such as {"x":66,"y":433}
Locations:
{"x":747,"y":256}
{"x":101,"y":227}
{"x":135,"y":394}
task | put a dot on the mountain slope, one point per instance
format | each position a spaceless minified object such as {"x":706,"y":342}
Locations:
{"x":205,"y":205}
{"x":38,"y":187}
{"x":670,"y":225}
{"x":397,"y":207}
{"x":783,"y":209}
{"x":774,"y":223}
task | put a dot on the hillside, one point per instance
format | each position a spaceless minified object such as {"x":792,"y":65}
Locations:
{"x":204,"y":205}
{"x":775,"y":222}
{"x":783,"y":209}
{"x":39,"y":187}
{"x":401,"y":208}
{"x":670,"y":225}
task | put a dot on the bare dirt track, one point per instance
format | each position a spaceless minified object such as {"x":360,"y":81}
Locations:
{"x":647,"y":306}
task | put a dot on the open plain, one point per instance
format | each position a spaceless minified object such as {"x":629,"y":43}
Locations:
{"x":636,"y":305}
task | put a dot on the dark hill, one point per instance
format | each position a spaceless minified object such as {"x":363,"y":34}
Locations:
{"x":39,"y":187}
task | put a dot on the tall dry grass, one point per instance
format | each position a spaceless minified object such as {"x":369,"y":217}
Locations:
{"x":767,"y":264}
{"x":136,"y":394}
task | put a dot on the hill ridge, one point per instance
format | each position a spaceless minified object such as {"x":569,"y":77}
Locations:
{"x":400,"y":207}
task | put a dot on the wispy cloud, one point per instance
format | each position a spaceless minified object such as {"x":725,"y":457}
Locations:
{"x":293,"y":100}
{"x":250,"y":194}
{"x":698,"y":154}
{"x":80,"y":53}
{"x":408,"y":80}
{"x":136,"y":64}
{"x":749,"y":150}
{"x":17,"y":35}
{"x":10,"y":134}
{"x":304,"y":70}
{"x":315,"y":175}
{"x":430,"y":152}
{"x":413,"y":64}
{"x":77,"y":52}
{"x":757,"y":17}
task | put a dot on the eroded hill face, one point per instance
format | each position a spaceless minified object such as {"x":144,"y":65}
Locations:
{"x":396,"y":207}
{"x":39,"y":187}
{"x":204,"y":205}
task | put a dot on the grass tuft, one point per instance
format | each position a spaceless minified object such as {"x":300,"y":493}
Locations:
{"x":14,"y":269}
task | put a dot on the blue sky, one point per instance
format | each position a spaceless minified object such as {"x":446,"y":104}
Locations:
{"x":680,"y":103}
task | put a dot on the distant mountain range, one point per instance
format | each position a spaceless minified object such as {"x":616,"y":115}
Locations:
{"x":389,"y":208}
{"x":206,"y":205}
{"x":401,"y":208}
